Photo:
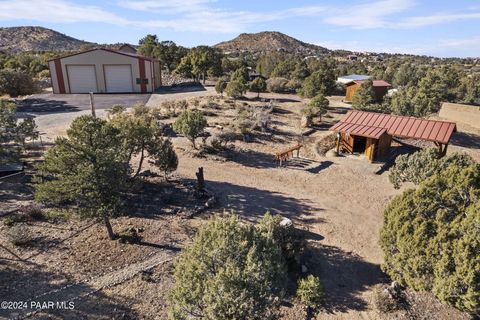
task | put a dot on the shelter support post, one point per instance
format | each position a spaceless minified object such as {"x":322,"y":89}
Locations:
{"x":442,"y":149}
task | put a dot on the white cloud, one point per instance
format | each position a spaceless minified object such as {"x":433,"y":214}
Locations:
{"x":475,"y":41}
{"x":200,"y":15}
{"x":368,"y":15}
{"x":58,"y":11}
{"x":434,"y":19}
{"x":208,"y":16}
{"x":166,"y":6}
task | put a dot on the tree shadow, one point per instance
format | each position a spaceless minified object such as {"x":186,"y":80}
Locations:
{"x":322,"y":166}
{"x":344,"y":276}
{"x":179,"y":88}
{"x":45,"y":106}
{"x":160,"y":246}
{"x":339,"y":110}
{"x":39,"y":286}
{"x":283,"y":100}
{"x":153,"y":199}
{"x":281,"y":111}
{"x":466,"y":140}
{"x":395,"y":151}
{"x":253,"y":159}
{"x":15,"y":189}
{"x":252,"y":203}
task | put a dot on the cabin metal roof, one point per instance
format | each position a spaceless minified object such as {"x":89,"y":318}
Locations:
{"x":375,"y":83}
{"x":398,"y":126}
{"x":355,"y":77}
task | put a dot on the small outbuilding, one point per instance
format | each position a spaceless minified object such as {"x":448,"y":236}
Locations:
{"x":104,"y":70}
{"x":379,"y":86}
{"x":371,"y":133}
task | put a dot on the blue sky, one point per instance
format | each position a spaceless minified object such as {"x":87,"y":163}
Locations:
{"x":441,"y":28}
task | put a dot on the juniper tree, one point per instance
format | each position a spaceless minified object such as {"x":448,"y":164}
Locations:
{"x":88,"y":169}
{"x":163,"y":155}
{"x":235,"y":89}
{"x":230,"y":271}
{"x":191,"y":124}
{"x":13,"y":132}
{"x":258,"y":85}
{"x":220,"y":86}
{"x":430,"y":237}
{"x":364,"y":97}
{"x":317,"y":106}
{"x":422,"y":164}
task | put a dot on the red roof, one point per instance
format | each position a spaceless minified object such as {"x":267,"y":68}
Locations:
{"x":398,"y":126}
{"x":376,"y":83}
{"x":360,"y":130}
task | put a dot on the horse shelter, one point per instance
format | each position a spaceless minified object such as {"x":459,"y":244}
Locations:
{"x":372,"y":133}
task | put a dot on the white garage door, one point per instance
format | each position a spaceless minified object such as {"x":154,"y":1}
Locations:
{"x":82,"y":79}
{"x":118,"y":78}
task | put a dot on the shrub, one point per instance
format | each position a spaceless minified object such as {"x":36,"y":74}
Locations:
{"x":386,"y":301}
{"x":293,"y":85}
{"x":258,"y":85}
{"x":277,"y":85}
{"x":14,"y":218}
{"x":181,"y":105}
{"x":191,"y":124}
{"x":235,"y":89}
{"x":321,"y":81}
{"x":33,"y":211}
{"x":16,"y":83}
{"x":316,"y":107}
{"x":310,"y":291}
{"x":430,"y":237}
{"x":164,"y":156}
{"x":20,"y":235}
{"x":422,"y":164}
{"x":130,"y":235}
{"x":284,"y":234}
{"x":230,"y":271}
{"x":240,"y":75}
{"x":220,"y":86}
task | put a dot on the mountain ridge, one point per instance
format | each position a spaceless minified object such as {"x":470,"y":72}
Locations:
{"x":267,"y":41}
{"x":36,"y":38}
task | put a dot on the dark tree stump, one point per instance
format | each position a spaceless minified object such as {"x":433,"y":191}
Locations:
{"x":200,"y":179}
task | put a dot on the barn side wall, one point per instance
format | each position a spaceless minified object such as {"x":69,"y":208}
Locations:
{"x":100,"y":58}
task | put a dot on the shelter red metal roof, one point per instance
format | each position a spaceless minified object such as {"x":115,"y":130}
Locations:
{"x":398,"y":126}
{"x":376,"y":83}
{"x":359,"y":130}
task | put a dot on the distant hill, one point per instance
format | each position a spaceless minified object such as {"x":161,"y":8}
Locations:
{"x":269,"y":41}
{"x":19,"y":39}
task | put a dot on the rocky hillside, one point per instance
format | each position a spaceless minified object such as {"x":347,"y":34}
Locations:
{"x":269,"y":41}
{"x":19,"y":39}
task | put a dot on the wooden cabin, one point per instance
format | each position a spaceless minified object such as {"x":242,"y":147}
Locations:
{"x":379,"y":86}
{"x":372,"y":133}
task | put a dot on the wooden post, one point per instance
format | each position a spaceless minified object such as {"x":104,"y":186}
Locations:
{"x":444,"y":151}
{"x":339,"y":138}
{"x":200,"y":179}
{"x":108,"y":225}
{"x":92,"y":104}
